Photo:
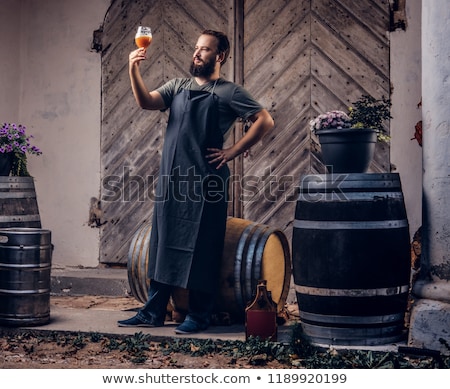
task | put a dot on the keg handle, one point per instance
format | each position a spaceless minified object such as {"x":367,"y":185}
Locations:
{"x":4,"y":238}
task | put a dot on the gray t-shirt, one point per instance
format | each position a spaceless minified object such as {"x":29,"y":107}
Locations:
{"x":234,"y":101}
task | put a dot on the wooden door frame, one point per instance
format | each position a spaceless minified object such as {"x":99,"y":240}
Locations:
{"x":237,"y":209}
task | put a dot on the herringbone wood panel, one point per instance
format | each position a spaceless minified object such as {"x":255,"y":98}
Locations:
{"x":131,"y":139}
{"x":300,"y":58}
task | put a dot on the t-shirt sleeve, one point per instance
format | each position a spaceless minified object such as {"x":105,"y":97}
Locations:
{"x":243,"y":103}
{"x":167,"y":91}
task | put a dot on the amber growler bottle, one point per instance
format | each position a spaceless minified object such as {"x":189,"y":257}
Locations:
{"x":261,"y":315}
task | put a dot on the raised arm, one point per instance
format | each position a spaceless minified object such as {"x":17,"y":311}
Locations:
{"x":145,"y":99}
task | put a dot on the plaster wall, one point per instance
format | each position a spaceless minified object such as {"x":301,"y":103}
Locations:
{"x":54,"y":79}
{"x":10,"y":82}
{"x":50,"y":82}
{"x":406,"y":81}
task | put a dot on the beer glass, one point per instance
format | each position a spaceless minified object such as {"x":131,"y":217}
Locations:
{"x":143,"y":37}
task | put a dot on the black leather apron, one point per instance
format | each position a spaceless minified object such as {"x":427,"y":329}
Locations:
{"x":189,"y":221}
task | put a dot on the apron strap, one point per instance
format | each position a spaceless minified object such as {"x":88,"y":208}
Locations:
{"x":214,"y":87}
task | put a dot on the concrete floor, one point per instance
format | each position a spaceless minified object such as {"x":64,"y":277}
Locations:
{"x":93,"y":300}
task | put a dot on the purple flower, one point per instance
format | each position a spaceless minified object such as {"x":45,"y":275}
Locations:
{"x":14,"y":140}
{"x":331,"y":119}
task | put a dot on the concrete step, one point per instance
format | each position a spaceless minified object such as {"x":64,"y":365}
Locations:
{"x":96,"y":282}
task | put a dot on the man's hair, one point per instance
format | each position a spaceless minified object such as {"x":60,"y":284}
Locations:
{"x":223,"y":45}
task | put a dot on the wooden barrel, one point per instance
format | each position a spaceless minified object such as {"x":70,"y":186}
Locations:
{"x":18,"y":203}
{"x":25,"y":266}
{"x":137,"y":265}
{"x":251,"y":252}
{"x":351,"y":258}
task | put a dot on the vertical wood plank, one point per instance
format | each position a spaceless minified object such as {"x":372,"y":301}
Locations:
{"x":238,"y":65}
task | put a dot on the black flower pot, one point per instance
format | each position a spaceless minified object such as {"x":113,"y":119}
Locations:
{"x":348,"y":150}
{"x":5,"y":164}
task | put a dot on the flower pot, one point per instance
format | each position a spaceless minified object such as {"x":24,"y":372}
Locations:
{"x":5,"y":164}
{"x":348,"y":150}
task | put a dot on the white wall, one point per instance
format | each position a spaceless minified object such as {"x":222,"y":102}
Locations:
{"x":10,"y":60}
{"x":406,"y":80}
{"x":50,"y":82}
{"x":59,"y":102}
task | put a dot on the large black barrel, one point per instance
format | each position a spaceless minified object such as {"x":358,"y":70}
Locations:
{"x":251,"y":252}
{"x":351,"y":258}
{"x":25,"y":266}
{"x":18,"y":203}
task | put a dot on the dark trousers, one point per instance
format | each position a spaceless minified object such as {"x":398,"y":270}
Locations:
{"x":200,"y":305}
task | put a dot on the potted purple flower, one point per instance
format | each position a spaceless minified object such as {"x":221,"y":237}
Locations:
{"x":14,"y":147}
{"x":348,"y":139}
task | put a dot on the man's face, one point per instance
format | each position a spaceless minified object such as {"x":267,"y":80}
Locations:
{"x":205,"y":56}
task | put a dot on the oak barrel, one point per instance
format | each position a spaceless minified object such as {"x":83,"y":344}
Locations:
{"x":137,"y":264}
{"x":25,"y":267}
{"x":252,"y":252}
{"x":18,"y":203}
{"x":351,"y":258}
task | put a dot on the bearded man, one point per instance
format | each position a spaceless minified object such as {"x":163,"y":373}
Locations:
{"x":190,"y":210}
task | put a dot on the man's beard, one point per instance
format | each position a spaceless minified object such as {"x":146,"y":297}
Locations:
{"x":203,"y":70}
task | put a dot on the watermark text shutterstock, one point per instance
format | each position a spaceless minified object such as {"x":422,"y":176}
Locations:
{"x":192,"y":187}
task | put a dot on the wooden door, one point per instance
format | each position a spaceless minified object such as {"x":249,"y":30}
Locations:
{"x":298,"y":58}
{"x":131,"y":140}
